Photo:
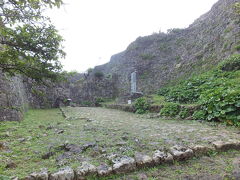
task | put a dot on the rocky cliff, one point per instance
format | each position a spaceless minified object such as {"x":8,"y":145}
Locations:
{"x":167,"y":57}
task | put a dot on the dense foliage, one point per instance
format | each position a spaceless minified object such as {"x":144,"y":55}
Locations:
{"x":30,"y":44}
{"x":170,"y":109}
{"x":142,"y":105}
{"x":217,"y":92}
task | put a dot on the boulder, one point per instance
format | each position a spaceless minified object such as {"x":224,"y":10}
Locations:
{"x":73,"y":148}
{"x":124,"y":164}
{"x":200,"y":150}
{"x":159,"y":157}
{"x":85,"y":169}
{"x":225,"y":146}
{"x":168,"y":159}
{"x":181,"y":153}
{"x":104,"y":170}
{"x":142,"y":176}
{"x":11,"y":165}
{"x":143,"y":160}
{"x":88,"y":145}
{"x":63,"y":174}
{"x":42,"y":175}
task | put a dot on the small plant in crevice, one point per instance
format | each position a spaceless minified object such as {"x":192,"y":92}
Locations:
{"x":237,"y":47}
{"x":142,"y":105}
{"x":147,"y":56}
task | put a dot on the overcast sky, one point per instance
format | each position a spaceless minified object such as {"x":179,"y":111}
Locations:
{"x":94,"y":30}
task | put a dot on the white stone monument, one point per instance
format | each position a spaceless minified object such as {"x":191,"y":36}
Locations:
{"x":134,"y":82}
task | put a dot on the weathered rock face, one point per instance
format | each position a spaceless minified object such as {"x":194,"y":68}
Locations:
{"x":89,"y":88}
{"x":18,"y":93}
{"x":46,"y":96}
{"x":13,"y":98}
{"x":159,"y":58}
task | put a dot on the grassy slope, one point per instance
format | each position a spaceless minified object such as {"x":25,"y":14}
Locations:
{"x":216,"y":91}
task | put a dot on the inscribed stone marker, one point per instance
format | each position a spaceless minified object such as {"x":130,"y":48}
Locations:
{"x":133,"y":82}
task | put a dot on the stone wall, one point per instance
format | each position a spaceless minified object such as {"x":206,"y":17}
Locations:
{"x":19,"y":93}
{"x":89,"y":88}
{"x":13,"y":98}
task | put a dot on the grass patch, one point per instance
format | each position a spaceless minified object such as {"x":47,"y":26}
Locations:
{"x":26,"y":141}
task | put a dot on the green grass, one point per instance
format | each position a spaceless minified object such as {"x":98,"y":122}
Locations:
{"x":27,"y":155}
{"x":108,"y":128}
{"x":109,"y":101}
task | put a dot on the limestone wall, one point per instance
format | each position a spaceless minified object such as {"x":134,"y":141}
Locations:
{"x":13,"y":98}
{"x":19,"y":93}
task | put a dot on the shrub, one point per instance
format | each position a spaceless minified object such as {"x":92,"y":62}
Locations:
{"x":86,"y":103}
{"x":217,"y":92}
{"x":89,"y":70}
{"x":163,"y":91}
{"x":98,"y":101}
{"x":199,"y":115}
{"x":186,"y":92}
{"x":230,"y":64}
{"x":237,"y":47}
{"x":184,"y":113}
{"x":98,"y":74}
{"x":222,"y":104}
{"x":170,"y":109}
{"x":141,"y":105}
{"x":174,"y":30}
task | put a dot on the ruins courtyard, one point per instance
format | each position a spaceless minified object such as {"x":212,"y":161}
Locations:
{"x":97,"y":136}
